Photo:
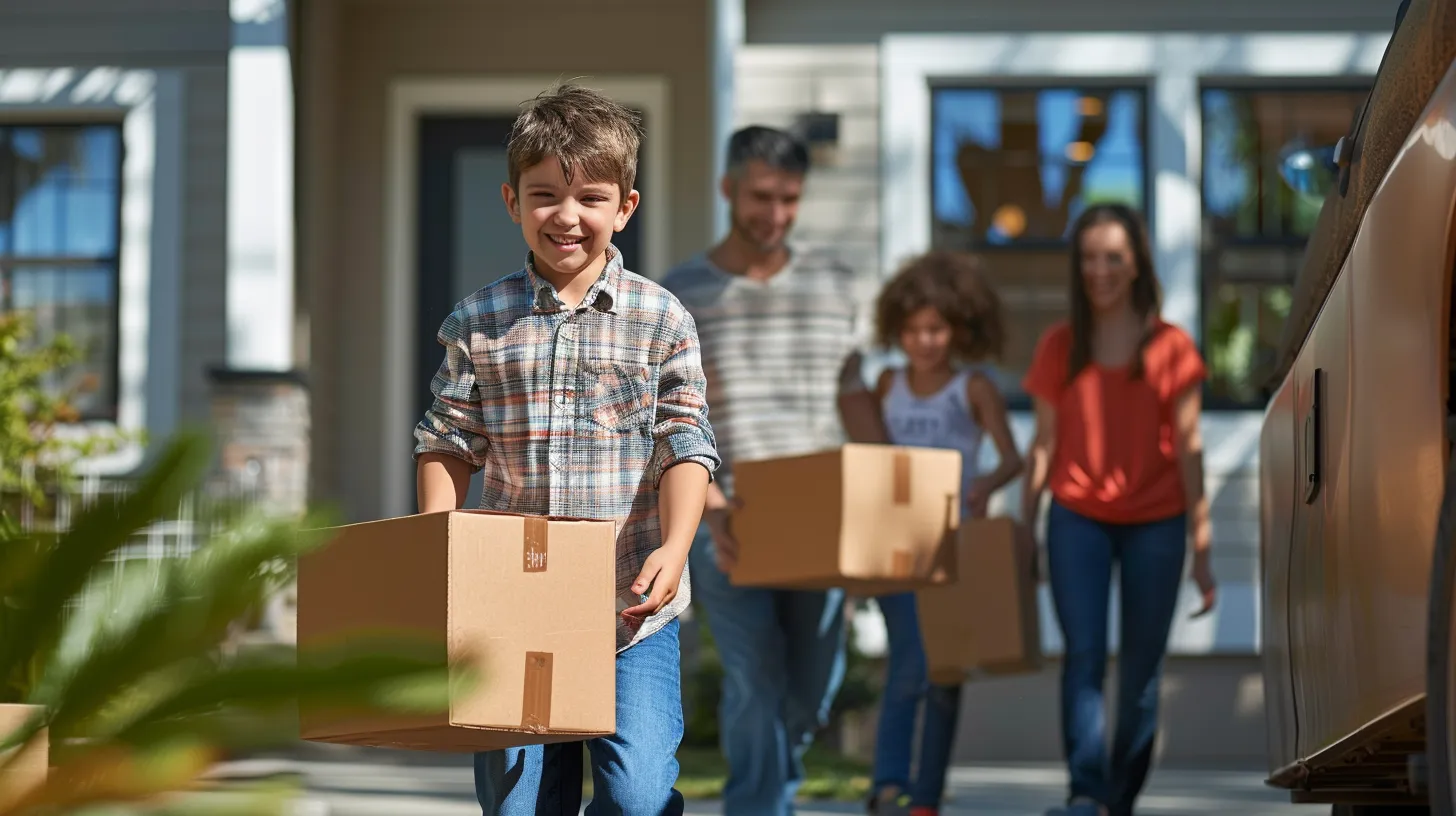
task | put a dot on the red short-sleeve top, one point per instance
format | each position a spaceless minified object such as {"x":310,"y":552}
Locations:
{"x":1114,"y":458}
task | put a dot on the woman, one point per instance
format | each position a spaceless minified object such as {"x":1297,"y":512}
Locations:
{"x":1117,"y":396}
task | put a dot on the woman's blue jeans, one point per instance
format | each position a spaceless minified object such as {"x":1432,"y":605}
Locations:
{"x":1149,"y":557}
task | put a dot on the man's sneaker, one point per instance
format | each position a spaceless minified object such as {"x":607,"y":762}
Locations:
{"x":1085,"y":806}
{"x":890,"y":802}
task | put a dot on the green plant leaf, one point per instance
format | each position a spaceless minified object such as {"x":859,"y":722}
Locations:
{"x":97,"y":534}
{"x":186,"y":613}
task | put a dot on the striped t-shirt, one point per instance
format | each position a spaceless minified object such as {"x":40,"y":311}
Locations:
{"x":774,"y":352}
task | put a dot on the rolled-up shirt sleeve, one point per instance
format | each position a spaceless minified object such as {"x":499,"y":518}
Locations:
{"x":680,"y":429}
{"x":454,"y":424}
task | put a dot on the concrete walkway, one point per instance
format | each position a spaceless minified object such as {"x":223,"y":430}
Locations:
{"x":370,"y":789}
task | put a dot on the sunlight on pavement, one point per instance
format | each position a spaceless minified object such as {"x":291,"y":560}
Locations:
{"x":363,"y":789}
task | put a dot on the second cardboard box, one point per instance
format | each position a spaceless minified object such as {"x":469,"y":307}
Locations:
{"x":873,"y":519}
{"x":987,"y":622}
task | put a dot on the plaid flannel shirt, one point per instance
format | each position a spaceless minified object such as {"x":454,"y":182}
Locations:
{"x":575,"y":412}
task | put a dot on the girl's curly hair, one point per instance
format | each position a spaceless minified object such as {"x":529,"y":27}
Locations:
{"x":954,"y":284}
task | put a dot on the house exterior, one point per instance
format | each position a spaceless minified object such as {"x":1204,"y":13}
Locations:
{"x":259,"y":211}
{"x":979,"y":126}
{"x":145,"y":211}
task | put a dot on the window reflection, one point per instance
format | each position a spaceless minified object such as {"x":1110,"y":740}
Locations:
{"x":1255,"y":225}
{"x":60,"y":194}
{"x":1012,"y":169}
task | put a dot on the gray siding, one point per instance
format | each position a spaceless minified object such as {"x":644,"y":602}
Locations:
{"x":122,"y":33}
{"x":841,"y":205}
{"x":204,"y":247}
{"x":866,"y":21}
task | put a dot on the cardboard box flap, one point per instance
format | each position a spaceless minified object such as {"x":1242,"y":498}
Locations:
{"x":910,"y":496}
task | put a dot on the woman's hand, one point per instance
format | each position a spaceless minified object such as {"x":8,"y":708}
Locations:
{"x":1207,"y":586}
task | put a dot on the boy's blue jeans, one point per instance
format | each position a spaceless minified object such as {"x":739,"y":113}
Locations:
{"x":1080,"y":555}
{"x":906,"y":686}
{"x":783,"y":662}
{"x":633,"y":771}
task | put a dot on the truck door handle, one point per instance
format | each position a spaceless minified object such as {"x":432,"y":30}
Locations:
{"x":1313,"y":437}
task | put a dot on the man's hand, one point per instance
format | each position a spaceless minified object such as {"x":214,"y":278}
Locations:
{"x":661,"y":573}
{"x":1207,"y":586}
{"x":720,"y":526}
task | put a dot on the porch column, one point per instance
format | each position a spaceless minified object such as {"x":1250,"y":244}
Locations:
{"x":260,"y":291}
{"x":726,"y":24}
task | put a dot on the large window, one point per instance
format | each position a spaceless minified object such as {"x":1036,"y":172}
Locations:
{"x":1012,"y":169}
{"x":1255,"y":225}
{"x":60,"y":194}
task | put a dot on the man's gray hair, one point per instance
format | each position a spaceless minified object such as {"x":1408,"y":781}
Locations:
{"x":776,"y":148}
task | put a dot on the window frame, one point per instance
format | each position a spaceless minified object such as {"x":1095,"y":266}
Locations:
{"x":10,"y":262}
{"x":1016,"y":398}
{"x":1208,"y":245}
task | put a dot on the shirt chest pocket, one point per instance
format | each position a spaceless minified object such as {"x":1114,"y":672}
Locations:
{"x":620,"y":397}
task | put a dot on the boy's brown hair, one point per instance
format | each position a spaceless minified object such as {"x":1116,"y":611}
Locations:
{"x":953,"y":284}
{"x":583,"y":129}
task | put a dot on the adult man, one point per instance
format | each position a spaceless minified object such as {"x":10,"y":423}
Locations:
{"x":779,"y":327}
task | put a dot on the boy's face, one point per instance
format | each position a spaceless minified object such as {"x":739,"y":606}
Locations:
{"x":567,"y":225}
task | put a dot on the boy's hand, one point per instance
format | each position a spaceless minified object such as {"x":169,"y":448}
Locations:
{"x":662,"y":572}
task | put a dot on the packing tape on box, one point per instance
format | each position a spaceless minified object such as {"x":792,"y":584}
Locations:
{"x":902,"y":564}
{"x":536,"y":702}
{"x":902,"y":477}
{"x":533,"y":544}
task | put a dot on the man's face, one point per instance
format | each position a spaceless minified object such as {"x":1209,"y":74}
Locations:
{"x":567,"y":225}
{"x":764,"y":203}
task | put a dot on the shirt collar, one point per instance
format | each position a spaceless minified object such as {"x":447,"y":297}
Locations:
{"x":602,"y":296}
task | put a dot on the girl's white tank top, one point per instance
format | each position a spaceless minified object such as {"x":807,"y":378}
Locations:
{"x":940,"y":420}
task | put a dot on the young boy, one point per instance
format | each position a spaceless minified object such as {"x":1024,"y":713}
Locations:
{"x":578,"y":387}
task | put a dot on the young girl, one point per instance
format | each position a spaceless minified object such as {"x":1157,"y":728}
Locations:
{"x":941,"y":313}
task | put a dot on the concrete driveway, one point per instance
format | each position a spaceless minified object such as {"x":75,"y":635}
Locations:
{"x":368,"y":789}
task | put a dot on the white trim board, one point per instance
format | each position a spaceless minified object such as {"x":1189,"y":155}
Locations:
{"x":1170,"y":66}
{"x":408,"y":100}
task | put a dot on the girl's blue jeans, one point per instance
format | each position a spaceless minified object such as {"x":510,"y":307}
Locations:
{"x":908,"y":694}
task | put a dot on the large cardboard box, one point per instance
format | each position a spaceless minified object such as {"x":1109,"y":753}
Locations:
{"x":527,"y":602}
{"x":21,"y":770}
{"x":873,"y":519}
{"x":987,"y":621}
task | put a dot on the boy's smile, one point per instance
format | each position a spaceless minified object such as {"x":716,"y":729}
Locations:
{"x":567,"y":224}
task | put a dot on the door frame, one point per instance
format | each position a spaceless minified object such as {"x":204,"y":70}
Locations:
{"x":411,"y":98}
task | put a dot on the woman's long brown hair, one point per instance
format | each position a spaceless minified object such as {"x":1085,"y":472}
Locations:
{"x":1147,"y":294}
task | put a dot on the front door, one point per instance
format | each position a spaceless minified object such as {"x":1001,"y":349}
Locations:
{"x":466,"y":237}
